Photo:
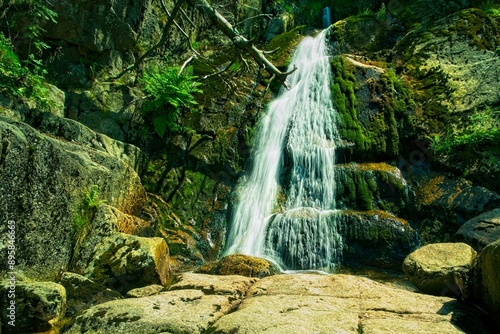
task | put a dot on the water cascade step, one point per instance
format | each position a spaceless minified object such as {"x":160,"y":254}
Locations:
{"x":294,"y":161}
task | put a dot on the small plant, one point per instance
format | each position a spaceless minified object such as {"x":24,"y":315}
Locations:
{"x":16,"y":79}
{"x":382,"y":12}
{"x":86,"y":210}
{"x":170,"y":93}
{"x":483,"y":130}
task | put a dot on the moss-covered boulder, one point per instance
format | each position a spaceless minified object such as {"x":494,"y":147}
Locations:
{"x":371,"y":186}
{"x":82,"y":293}
{"x":306,"y":238}
{"x":35,"y":307}
{"x":373,"y":106}
{"x":441,"y":269}
{"x":376,"y":238}
{"x":123,"y":262}
{"x":238,"y":264}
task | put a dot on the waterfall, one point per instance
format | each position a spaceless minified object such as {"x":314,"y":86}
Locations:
{"x":286,"y":206}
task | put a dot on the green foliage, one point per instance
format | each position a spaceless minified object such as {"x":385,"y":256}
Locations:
{"x":482,"y":129}
{"x":16,"y":79}
{"x":82,"y":219}
{"x":382,"y":12}
{"x":23,"y":77}
{"x":170,"y":93}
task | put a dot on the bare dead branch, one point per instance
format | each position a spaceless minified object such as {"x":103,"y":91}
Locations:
{"x":185,"y":64}
{"x":254,"y":17}
{"x":241,"y":42}
{"x":181,"y":30}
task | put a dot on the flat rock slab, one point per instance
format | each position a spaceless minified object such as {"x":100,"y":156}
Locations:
{"x":182,"y":311}
{"x":305,"y":303}
{"x":298,"y":303}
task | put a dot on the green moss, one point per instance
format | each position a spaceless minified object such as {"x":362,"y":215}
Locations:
{"x":285,"y":44}
{"x":375,"y":134}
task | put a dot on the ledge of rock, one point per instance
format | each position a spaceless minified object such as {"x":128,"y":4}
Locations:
{"x":45,"y":176}
{"x":305,"y":303}
{"x":82,"y":293}
{"x":192,"y":305}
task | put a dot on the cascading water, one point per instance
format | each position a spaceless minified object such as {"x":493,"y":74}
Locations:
{"x":294,"y":158}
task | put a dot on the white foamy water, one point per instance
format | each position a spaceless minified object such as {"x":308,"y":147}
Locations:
{"x":295,"y":154}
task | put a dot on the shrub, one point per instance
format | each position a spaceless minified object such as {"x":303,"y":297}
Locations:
{"x":482,"y":130}
{"x":170,"y":93}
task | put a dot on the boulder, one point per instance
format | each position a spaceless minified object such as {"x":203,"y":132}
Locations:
{"x":45,"y":176}
{"x":307,"y":303}
{"x":441,"y":269}
{"x":81,"y":293}
{"x":182,"y":310}
{"x":371,"y":186}
{"x":307,"y":238}
{"x":38,"y":305}
{"x":486,"y":285}
{"x":480,"y":231}
{"x":123,"y":262}
{"x":238,"y":264}
{"x":376,"y":238}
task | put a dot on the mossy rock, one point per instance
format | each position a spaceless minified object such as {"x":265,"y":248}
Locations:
{"x":376,"y":238}
{"x":370,"y":186}
{"x":285,"y":44}
{"x":238,"y":264}
{"x":360,"y":33}
{"x":373,"y":106}
{"x":38,"y":306}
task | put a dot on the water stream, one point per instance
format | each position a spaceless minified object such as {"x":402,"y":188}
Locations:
{"x":286,"y":207}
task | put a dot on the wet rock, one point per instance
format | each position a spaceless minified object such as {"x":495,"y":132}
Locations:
{"x":199,"y":302}
{"x":307,"y":238}
{"x":123,"y":262}
{"x":304,"y":303}
{"x":38,"y":305}
{"x":376,"y":238}
{"x":480,"y":231}
{"x":486,"y":277}
{"x":441,"y":269}
{"x":145,"y":291}
{"x":367,"y":186}
{"x":238,"y":264}
{"x":81,"y":293}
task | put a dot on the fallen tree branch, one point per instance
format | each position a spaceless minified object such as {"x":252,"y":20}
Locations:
{"x":241,"y":42}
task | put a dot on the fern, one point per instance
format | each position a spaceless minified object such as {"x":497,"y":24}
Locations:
{"x":169,"y":94}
